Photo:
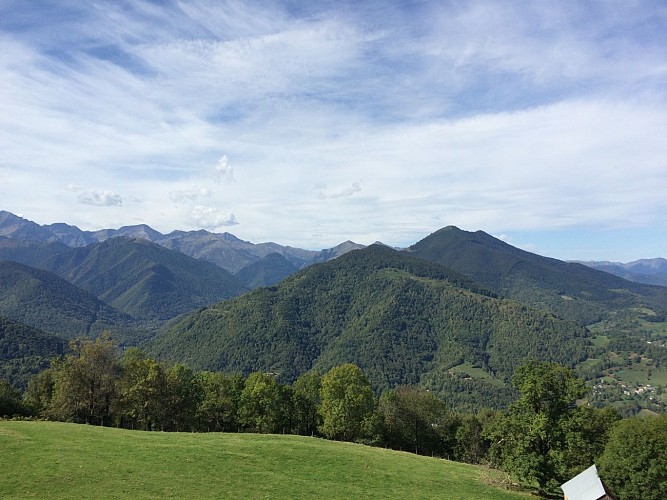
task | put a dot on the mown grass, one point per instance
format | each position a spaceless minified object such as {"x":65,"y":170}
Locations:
{"x":600,"y":341}
{"x":641,"y":374}
{"x":476,"y":373}
{"x":57,"y":460}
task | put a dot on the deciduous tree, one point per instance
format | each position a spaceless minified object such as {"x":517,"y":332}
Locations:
{"x":10,"y":400}
{"x":261,"y":404}
{"x":415,"y":420}
{"x":220,"y":398}
{"x":142,"y":392}
{"x":634,"y":462}
{"x":530,"y":440}
{"x":348,"y":403}
{"x":85,"y":382}
{"x":306,"y":401}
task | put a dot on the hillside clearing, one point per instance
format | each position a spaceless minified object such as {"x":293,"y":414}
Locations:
{"x":57,"y":460}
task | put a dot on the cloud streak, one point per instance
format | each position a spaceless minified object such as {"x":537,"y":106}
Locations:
{"x":100,"y":199}
{"x":511,"y":117}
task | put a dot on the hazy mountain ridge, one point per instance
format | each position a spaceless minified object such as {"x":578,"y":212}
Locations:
{"x":144,"y":279}
{"x":268,"y":271}
{"x":223,"y":249}
{"x":648,"y":271}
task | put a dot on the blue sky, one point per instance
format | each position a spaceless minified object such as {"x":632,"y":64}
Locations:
{"x":310,"y":123}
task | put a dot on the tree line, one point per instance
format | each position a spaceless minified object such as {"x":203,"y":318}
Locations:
{"x":543,"y":439}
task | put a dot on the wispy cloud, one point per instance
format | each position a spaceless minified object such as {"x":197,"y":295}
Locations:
{"x":194,"y":194}
{"x":100,"y":198}
{"x":503,"y":116}
{"x":225,"y":172}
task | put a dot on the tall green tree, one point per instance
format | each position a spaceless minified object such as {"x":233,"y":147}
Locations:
{"x":220,"y":399}
{"x":634,"y":462}
{"x":348,"y":403}
{"x":85,"y":382}
{"x":530,"y":439}
{"x":415,"y":420}
{"x":261,"y":407}
{"x":306,"y":401}
{"x":471,"y":444}
{"x":10,"y":400}
{"x":38,"y":395}
{"x":181,"y":397}
{"x":142,"y":385}
{"x":587,"y":433}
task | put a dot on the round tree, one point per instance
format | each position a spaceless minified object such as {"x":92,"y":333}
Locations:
{"x":348,"y":402}
{"x":634,"y":462}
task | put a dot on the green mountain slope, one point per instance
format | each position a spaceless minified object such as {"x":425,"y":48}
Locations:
{"x":144,"y":279}
{"x":25,"y":351}
{"x":570,"y":290}
{"x":30,"y":253}
{"x":401,"y":319}
{"x":266,"y":272}
{"x":43,"y":300}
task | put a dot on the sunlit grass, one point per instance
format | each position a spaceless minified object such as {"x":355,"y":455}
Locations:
{"x":56,"y":460}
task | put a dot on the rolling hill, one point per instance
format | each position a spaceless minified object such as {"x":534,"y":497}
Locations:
{"x":403,"y":320}
{"x":57,"y":460}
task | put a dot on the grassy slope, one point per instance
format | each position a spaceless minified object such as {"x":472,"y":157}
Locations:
{"x":56,"y":460}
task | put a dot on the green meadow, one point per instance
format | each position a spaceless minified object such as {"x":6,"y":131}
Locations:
{"x":58,"y":460}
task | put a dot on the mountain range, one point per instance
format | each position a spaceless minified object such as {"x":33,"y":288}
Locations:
{"x":223,"y":249}
{"x":141,"y":279}
{"x":455,"y":313}
{"x":649,"y":271}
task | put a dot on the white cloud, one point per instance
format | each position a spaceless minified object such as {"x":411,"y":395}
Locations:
{"x":487,"y":115}
{"x":100,"y":198}
{"x":212,"y":218}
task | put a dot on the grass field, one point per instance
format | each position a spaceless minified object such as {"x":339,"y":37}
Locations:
{"x":57,"y":460}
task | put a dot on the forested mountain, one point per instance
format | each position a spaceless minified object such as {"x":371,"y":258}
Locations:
{"x":29,"y":252}
{"x":43,"y":300}
{"x":25,"y":351}
{"x":648,"y":271}
{"x":266,"y":272}
{"x":403,"y":320}
{"x":143,"y":279}
{"x":570,"y":290}
{"x":404,"y":317}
